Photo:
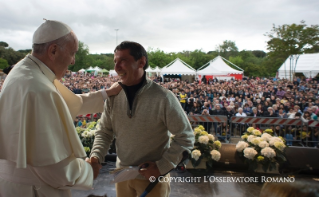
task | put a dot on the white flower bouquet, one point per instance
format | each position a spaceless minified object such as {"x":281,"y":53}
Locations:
{"x":205,"y":146}
{"x":87,"y":135}
{"x":261,"y":148}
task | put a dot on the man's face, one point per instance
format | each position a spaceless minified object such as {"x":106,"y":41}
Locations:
{"x":127,"y":68}
{"x":65,"y":57}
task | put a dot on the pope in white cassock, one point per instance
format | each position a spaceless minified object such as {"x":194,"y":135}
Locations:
{"x":40,"y":152}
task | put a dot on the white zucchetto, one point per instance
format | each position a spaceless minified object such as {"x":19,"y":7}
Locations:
{"x":50,"y":30}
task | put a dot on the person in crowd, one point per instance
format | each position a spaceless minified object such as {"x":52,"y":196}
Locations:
{"x":183,"y":98}
{"x":282,"y":114}
{"x":241,"y":114}
{"x":306,"y":117}
{"x":42,"y":155}
{"x":270,"y":113}
{"x":255,"y":112}
{"x":141,"y":140}
{"x":247,"y":110}
{"x":280,"y":93}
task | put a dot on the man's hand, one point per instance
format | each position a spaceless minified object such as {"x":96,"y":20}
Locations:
{"x":96,"y":166}
{"x":149,"y":169}
{"x":114,"y":89}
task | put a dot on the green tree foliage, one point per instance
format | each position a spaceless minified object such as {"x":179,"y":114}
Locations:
{"x":3,"y":63}
{"x":285,"y":40}
{"x":81,"y":58}
{"x":3,"y":44}
{"x":227,"y":48}
{"x":157,"y":57}
{"x":10,"y":55}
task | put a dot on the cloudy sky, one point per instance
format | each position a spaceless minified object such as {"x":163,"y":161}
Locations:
{"x":170,"y":25}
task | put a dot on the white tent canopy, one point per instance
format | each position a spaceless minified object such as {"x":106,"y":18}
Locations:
{"x":217,"y":66}
{"x":97,"y":68}
{"x":113,"y":73}
{"x":150,"y":70}
{"x":178,"y":67}
{"x":153,"y":70}
{"x":82,"y":70}
{"x":157,"y":69}
{"x":307,"y":64}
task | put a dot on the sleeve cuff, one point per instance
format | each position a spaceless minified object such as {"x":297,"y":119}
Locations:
{"x":164,"y":166}
{"x":104,"y":95}
{"x":97,"y":156}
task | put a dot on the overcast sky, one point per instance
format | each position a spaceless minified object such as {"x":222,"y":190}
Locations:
{"x":170,"y":25}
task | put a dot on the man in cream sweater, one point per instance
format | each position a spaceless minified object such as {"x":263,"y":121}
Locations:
{"x":141,"y":118}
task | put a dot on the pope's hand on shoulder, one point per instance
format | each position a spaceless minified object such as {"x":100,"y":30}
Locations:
{"x":150,"y":170}
{"x":96,"y":166}
{"x":114,"y":89}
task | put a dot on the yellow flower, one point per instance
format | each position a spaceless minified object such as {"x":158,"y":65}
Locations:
{"x":197,"y":130}
{"x":280,"y":146}
{"x":244,"y":136}
{"x":260,"y":158}
{"x":217,"y":144}
{"x":203,"y":133}
{"x":201,"y":127}
{"x":282,"y":139}
{"x":256,"y":132}
{"x":268,"y":131}
{"x":250,"y":129}
{"x":87,"y":149}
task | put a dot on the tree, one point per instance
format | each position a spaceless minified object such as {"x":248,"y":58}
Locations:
{"x":228,"y":48}
{"x":157,"y":57}
{"x":293,"y":39}
{"x":10,"y":55}
{"x":81,"y":58}
{"x":3,"y":63}
{"x":259,"y":53}
{"x":285,"y":40}
{"x":4,"y":44}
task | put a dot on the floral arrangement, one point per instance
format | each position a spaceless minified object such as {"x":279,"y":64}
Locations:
{"x":261,"y":148}
{"x":205,"y":147}
{"x":87,"y":135}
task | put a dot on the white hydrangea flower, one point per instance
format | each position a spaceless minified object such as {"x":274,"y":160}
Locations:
{"x":266,"y":137}
{"x":85,"y":134}
{"x":241,"y":145}
{"x":263,"y":144}
{"x":93,"y":132}
{"x":250,"y":137}
{"x":268,"y":152}
{"x":280,"y":145}
{"x":211,"y":137}
{"x":196,"y":154}
{"x":256,"y":132}
{"x":203,"y":139}
{"x":250,"y":153}
{"x":273,"y":140}
{"x":98,"y":126}
{"x":215,"y":155}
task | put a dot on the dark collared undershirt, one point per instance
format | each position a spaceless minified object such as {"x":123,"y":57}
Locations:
{"x":131,"y":91}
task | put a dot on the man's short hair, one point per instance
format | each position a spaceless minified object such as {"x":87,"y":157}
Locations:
{"x":136,"y":50}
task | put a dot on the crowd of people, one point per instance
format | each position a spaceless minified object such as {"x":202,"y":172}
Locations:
{"x":254,"y":97}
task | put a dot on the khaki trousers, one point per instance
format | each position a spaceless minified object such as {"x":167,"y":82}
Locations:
{"x":135,"y":187}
